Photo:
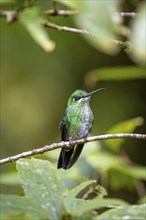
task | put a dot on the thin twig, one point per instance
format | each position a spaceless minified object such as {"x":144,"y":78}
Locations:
{"x":64,"y":28}
{"x":10,"y":16}
{"x":68,"y":144}
{"x":63,"y":13}
{"x":66,"y":13}
{"x":83,"y":31}
{"x":127,"y":14}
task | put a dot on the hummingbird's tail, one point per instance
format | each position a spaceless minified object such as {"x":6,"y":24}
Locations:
{"x":68,"y":157}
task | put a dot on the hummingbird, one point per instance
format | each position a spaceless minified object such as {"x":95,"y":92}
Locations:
{"x":76,"y":124}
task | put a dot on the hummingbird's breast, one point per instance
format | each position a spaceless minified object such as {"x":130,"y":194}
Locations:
{"x":79,"y":122}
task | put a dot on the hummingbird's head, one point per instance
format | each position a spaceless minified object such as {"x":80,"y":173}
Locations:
{"x":77,"y":98}
{"x":80,"y":97}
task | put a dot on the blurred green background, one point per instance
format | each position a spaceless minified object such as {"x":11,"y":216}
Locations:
{"x":35,"y":87}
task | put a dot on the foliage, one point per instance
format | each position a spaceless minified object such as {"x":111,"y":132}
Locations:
{"x":32,"y":20}
{"x":32,"y":78}
{"x":131,"y":212}
{"x":114,"y":167}
{"x":127,"y":126}
{"x":115,"y":74}
{"x":111,"y":165}
{"x":104,"y":31}
{"x":47,"y":197}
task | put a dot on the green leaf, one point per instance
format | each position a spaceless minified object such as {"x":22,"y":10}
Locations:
{"x":104,"y":162}
{"x":116,"y":169}
{"x":101,"y":20}
{"x":142,"y":200}
{"x":115,"y":74}
{"x":10,"y":178}
{"x":74,"y":191}
{"x":127,"y":126}
{"x":42,"y":185}
{"x":100,"y":25}
{"x":32,"y":19}
{"x":17,"y":4}
{"x":13,"y":204}
{"x":80,"y":207}
{"x":72,"y":4}
{"x":122,"y":213}
{"x":7,"y":1}
{"x":108,"y":161}
{"x":46,"y":196}
{"x":126,"y":176}
{"x":44,"y":191}
{"x":138,"y":35}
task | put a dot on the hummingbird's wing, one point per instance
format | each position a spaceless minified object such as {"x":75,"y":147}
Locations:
{"x":68,"y":156}
{"x":63,"y":131}
{"x":65,"y":154}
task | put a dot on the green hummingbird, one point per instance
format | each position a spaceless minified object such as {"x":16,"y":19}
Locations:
{"x":76,"y":124}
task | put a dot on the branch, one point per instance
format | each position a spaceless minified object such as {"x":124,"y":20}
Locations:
{"x":64,"y":28}
{"x":67,"y":13}
{"x":127,"y":14}
{"x":126,"y":45}
{"x":68,"y":144}
{"x":10,"y":16}
{"x":63,"y":13}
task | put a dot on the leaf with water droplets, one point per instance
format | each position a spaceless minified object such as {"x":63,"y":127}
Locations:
{"x":125,"y":213}
{"x":46,"y":196}
{"x":42,"y":186}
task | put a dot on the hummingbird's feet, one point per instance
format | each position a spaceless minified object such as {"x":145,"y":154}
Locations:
{"x":85,"y":138}
{"x":71,"y":143}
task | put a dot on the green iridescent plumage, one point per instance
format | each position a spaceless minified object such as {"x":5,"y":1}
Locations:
{"x":76,"y":123}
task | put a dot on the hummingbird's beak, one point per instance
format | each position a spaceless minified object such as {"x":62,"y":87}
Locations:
{"x":91,"y":93}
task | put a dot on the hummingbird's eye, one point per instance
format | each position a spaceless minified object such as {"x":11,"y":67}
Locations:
{"x":76,"y":98}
